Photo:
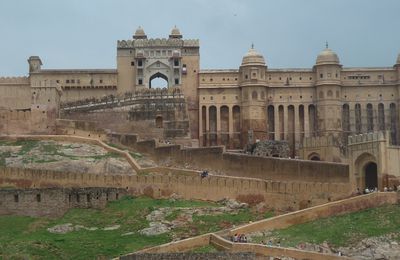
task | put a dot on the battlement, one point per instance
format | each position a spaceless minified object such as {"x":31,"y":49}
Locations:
{"x":320,"y":141}
{"x":368,"y":137}
{"x":157,"y":42}
{"x":14,"y":80}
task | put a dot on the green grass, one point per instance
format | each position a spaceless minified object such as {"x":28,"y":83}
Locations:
{"x":136,"y":155}
{"x":341,"y":230}
{"x":51,"y":149}
{"x":28,"y":238}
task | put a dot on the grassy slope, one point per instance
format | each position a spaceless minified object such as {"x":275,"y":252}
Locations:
{"x":341,"y":230}
{"x":25,"y":237}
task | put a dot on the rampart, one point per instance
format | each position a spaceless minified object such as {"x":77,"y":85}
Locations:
{"x":54,"y":202}
{"x":278,"y":195}
{"x":235,"y":164}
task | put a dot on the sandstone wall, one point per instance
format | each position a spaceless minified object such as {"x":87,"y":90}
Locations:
{"x":327,"y":210}
{"x":235,"y":164}
{"x":54,"y":202}
{"x":278,"y":195}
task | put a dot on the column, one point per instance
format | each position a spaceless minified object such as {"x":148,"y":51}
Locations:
{"x":306,"y":122}
{"x":296,"y":123}
{"x":218,"y":125}
{"x":277,"y":123}
{"x":285,"y":122}
{"x":208,"y":125}
{"x":201,"y":125}
{"x":230,"y":127}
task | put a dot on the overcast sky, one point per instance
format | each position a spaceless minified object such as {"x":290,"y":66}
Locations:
{"x":289,"y":33}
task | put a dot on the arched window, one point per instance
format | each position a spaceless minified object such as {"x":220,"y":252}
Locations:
{"x":393,"y":123}
{"x":381,"y":117}
{"x":271,"y":122}
{"x":357,"y":114}
{"x":254,"y":95}
{"x":321,"y":94}
{"x":370,"y":118}
{"x":158,"y":80}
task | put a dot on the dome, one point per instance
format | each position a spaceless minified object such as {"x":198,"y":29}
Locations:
{"x":327,"y":56}
{"x":140,"y":34}
{"x":175,"y":33}
{"x":252,"y":57}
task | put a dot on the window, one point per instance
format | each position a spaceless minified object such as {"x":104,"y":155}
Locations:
{"x":176,"y":62}
{"x":101,"y":81}
{"x":16,"y":198}
{"x":140,"y":63}
{"x":176,"y":81}
{"x":38,"y":198}
{"x":132,"y":63}
{"x":211,"y":98}
{"x":300,"y":78}
{"x":78,"y":81}
{"x":72,"y":81}
{"x":67,"y":81}
{"x":58,"y":81}
{"x":321,"y":76}
{"x":140,"y":81}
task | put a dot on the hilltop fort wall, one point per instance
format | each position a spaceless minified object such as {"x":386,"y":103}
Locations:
{"x":54,"y":202}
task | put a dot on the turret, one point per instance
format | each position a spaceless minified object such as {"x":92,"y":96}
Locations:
{"x":328,"y":92}
{"x":34,"y":64}
{"x":175,"y":33}
{"x":252,"y":81}
{"x":139,"y":34}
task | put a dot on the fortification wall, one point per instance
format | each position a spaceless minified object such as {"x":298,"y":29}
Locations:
{"x":278,"y":195}
{"x":235,"y":164}
{"x":15,"y":93}
{"x":327,"y":210}
{"x":38,"y":120}
{"x":54,"y":202}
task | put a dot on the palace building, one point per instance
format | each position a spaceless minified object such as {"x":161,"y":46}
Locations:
{"x":315,"y":110}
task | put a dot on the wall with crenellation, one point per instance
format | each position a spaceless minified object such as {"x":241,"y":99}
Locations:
{"x":54,"y":202}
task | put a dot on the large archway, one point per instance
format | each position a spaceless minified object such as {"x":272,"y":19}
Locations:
{"x":371,"y":175}
{"x":366,"y":171}
{"x":158,"y":80}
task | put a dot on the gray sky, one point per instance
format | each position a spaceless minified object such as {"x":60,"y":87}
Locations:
{"x":289,"y":33}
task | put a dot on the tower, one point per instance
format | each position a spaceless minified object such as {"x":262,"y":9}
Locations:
{"x":252,"y":82}
{"x":35,"y":64}
{"x":328,"y":92}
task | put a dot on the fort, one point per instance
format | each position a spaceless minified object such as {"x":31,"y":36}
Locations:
{"x":338,"y":128}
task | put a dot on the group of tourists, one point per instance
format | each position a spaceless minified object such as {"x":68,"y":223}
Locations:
{"x":239,"y":238}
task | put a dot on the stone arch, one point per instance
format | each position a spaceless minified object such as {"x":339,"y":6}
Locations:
{"x":158,"y":75}
{"x":159,"y":121}
{"x":362,"y":165}
{"x":314,"y":157}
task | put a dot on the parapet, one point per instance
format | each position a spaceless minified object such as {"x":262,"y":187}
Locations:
{"x":14,"y":80}
{"x":320,"y":141}
{"x":158,"y":43}
{"x":367,"y":137}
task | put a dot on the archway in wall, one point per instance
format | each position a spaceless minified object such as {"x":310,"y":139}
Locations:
{"x":314,"y":157}
{"x":159,"y":122}
{"x":363,"y":168}
{"x":371,"y":175}
{"x":158,"y":80}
